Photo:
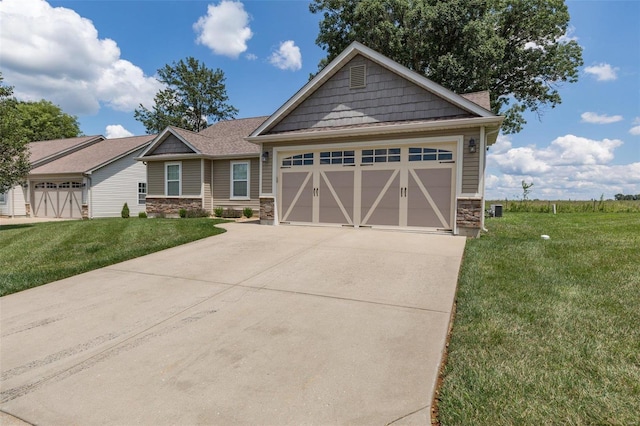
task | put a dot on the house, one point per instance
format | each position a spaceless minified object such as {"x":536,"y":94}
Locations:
{"x":370,"y":143}
{"x":215,"y":167}
{"x":84,"y":177}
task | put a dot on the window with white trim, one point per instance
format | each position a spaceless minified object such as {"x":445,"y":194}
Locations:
{"x":240,"y":180}
{"x":142,"y":193}
{"x":172,"y":175}
{"x":3,"y":198}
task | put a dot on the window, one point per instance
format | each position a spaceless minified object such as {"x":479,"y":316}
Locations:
{"x":298,"y":160}
{"x":240,"y":180}
{"x":429,"y":154}
{"x":142,"y":192}
{"x":391,"y":155}
{"x":172,"y":175}
{"x":338,"y":157}
{"x":3,"y":198}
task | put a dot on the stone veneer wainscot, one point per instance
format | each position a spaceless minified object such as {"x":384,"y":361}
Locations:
{"x":171,"y":206}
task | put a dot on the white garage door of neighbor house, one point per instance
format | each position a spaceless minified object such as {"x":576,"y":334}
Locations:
{"x":53,"y":199}
{"x":404,"y":186}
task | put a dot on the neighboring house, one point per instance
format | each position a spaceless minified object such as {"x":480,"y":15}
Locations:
{"x":369,"y":143}
{"x":85,"y":177}
{"x":213,"y":168}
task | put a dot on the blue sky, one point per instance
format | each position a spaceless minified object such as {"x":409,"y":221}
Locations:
{"x":97,"y":59}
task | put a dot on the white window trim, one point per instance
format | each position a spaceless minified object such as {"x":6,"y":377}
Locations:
{"x":166,"y":180}
{"x":248,"y":197}
{"x":3,"y":198}
{"x":145,"y":193}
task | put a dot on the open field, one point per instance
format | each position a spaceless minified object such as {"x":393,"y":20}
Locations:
{"x":36,"y":254}
{"x":566,"y":206}
{"x":546,"y":331}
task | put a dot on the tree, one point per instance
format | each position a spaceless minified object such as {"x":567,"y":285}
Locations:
{"x":14,"y":151}
{"x":526,"y":190}
{"x":43,"y":121}
{"x":193,"y":96}
{"x":516,"y":49}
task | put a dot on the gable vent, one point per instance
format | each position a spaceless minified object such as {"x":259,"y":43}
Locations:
{"x":357,"y":76}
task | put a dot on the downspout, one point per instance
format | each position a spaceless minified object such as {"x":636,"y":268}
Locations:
{"x":89,"y":196}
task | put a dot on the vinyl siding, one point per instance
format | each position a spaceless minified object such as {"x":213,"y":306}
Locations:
{"x":191,"y":178}
{"x":116,"y":184}
{"x":15,"y":203}
{"x":386,"y":97}
{"x":222,"y":184}
{"x":207,"y":185}
{"x":155,"y":178}
{"x":267,"y":171}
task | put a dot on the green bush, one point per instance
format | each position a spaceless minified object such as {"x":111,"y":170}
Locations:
{"x":125,"y":211}
{"x":218,"y":211}
{"x":194,"y":213}
{"x":142,"y":215}
{"x":182,"y":213}
{"x":231,"y":214}
{"x":247,"y":212}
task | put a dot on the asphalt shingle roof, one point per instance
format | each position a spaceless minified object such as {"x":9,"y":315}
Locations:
{"x":93,"y":156}
{"x":43,"y":149}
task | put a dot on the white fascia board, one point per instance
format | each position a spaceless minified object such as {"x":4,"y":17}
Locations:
{"x":460,"y":123}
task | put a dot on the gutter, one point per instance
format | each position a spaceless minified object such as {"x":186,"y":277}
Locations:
{"x":378,"y":130}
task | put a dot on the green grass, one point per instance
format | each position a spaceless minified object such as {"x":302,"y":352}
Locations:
{"x":35,"y":254}
{"x":566,"y":206}
{"x":547,"y":331}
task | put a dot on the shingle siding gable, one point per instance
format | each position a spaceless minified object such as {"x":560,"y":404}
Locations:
{"x":171,"y":145}
{"x":387,"y":97}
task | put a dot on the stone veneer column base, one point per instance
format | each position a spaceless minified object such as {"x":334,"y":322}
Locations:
{"x":267,"y":210}
{"x":85,"y":211}
{"x":170,"y":206}
{"x":469,"y":216}
{"x":27,"y":209}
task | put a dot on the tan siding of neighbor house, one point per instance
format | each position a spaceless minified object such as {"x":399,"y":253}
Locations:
{"x":385,"y":97}
{"x":221,"y":176}
{"x":155,"y":178}
{"x":267,"y":172}
{"x":191,"y":178}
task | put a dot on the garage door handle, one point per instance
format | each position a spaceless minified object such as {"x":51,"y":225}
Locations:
{"x":366,"y":164}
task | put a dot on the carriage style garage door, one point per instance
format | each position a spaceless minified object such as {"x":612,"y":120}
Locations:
{"x":57,"y":199}
{"x":404,"y":186}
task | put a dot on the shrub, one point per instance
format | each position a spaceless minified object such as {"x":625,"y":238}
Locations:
{"x":231,"y":214}
{"x":218,"y":211}
{"x":247,"y":212}
{"x":142,"y":215}
{"x":182,"y":213}
{"x":125,"y":211}
{"x":191,"y":213}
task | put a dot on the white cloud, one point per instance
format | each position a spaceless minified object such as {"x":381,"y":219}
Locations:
{"x":635,"y":130}
{"x":117,"y":131}
{"x":287,"y":57}
{"x":56,"y":54}
{"x":602,"y":72}
{"x":594,"y":118}
{"x":251,"y":57}
{"x":570,"y":167}
{"x":224,"y":29}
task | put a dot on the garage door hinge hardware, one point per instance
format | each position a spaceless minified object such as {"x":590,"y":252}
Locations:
{"x":285,"y":167}
{"x":447,"y":162}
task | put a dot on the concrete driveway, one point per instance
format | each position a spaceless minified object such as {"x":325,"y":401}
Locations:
{"x":260,"y":325}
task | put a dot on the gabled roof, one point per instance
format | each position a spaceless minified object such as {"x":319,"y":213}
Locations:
{"x":222,"y":139}
{"x":94,"y":156}
{"x":45,"y":151}
{"x":347,"y":55}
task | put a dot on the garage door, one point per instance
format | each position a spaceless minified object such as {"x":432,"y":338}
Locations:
{"x":404,"y":186}
{"x":57,"y":199}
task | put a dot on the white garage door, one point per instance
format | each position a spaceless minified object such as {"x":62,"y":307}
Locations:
{"x":52,"y":199}
{"x":405,"y":186}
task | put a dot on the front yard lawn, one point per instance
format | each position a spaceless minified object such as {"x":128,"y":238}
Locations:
{"x":36,"y":254}
{"x":547,"y":331}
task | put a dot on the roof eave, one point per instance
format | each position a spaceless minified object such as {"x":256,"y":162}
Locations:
{"x":461,"y":123}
